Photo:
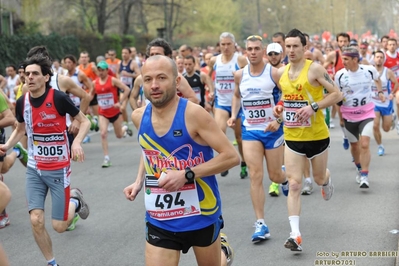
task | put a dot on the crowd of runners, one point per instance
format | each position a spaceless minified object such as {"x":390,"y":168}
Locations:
{"x":281,"y":99}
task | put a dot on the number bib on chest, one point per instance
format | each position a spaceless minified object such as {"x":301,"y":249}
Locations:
{"x":127,"y":80}
{"x":290,"y":109}
{"x":164,"y":205}
{"x":224,"y":82}
{"x":258,"y":111}
{"x":50,"y":148}
{"x":105,"y":100}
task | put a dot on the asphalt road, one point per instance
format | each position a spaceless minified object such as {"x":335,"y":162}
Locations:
{"x":354,"y":222}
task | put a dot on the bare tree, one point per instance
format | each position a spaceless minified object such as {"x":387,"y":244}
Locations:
{"x":125,"y":10}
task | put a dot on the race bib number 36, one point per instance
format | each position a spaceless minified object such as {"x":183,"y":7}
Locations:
{"x":164,"y":205}
{"x":290,"y":109}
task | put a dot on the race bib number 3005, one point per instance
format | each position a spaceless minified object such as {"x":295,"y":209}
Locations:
{"x":165,"y":205}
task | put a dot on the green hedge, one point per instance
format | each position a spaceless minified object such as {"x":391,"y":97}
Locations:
{"x":13,"y":49}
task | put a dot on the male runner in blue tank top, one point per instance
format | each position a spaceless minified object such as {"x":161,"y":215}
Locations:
{"x":177,"y":137}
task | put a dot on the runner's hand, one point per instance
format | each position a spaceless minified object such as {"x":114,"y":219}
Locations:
{"x":3,"y":150}
{"x":74,"y":127}
{"x":78,"y":154}
{"x":303,"y":114}
{"x":277,"y":110}
{"x":173,"y":180}
{"x":382,"y":97}
{"x":272,"y":126}
{"x":132,"y":191}
{"x":231,"y":122}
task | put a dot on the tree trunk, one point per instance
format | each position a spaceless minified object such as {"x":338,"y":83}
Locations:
{"x":101,"y":16}
{"x":125,"y":9}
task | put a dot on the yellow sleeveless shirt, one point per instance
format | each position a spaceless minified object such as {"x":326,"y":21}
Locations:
{"x":19,"y":91}
{"x":296,"y":94}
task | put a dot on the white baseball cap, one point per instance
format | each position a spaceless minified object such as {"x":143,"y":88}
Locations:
{"x":274,"y":47}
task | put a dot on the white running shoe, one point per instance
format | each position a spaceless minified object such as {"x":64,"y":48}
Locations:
{"x":327,"y":190}
{"x":364,"y":182}
{"x":307,"y":188}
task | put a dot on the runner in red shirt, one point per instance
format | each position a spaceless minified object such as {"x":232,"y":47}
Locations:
{"x":109,"y":107}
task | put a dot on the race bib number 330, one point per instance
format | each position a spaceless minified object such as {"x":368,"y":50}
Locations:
{"x":165,"y":205}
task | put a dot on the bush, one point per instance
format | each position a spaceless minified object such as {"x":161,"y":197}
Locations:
{"x":13,"y":49}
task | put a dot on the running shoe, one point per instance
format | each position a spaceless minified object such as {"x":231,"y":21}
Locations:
{"x":332,"y":124}
{"x":397,"y":128}
{"x":4,"y":220}
{"x":124,"y":129}
{"x":83,"y":210}
{"x":364,"y":181}
{"x":23,"y":154}
{"x":86,"y":139}
{"x":72,"y":226}
{"x":243,"y":173}
{"x":129,"y":131}
{"x":94,"y":121}
{"x":234,"y":142}
{"x":91,"y":121}
{"x":274,"y":189}
{"x":227,"y":249}
{"x":345,"y":143}
{"x":358,"y":175}
{"x":307,"y":187}
{"x":106,"y":163}
{"x":381,"y":151}
{"x":327,"y":190}
{"x":293,"y":243}
{"x":261,"y":232}
{"x":224,"y":173}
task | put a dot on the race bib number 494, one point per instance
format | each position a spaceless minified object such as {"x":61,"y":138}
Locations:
{"x":165,"y":205}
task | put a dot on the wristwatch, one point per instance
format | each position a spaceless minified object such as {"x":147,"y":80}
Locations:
{"x":279,"y":120}
{"x":190,"y":175}
{"x":314,"y":106}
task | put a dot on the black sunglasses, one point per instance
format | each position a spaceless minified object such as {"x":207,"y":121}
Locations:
{"x":272,"y":53}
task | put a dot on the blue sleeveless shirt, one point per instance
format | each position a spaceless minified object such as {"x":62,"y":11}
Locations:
{"x":176,"y":150}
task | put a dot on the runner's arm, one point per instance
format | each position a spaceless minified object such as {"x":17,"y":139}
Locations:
{"x":134,"y":94}
{"x":206,"y":80}
{"x":203,"y":125}
{"x":118,"y":83}
{"x":235,"y":105}
{"x":132,"y":190}
{"x":334,"y":95}
{"x":67,"y":84}
{"x":330,"y":59}
{"x":135,"y":68}
{"x":3,"y":82}
{"x":392,"y":78}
